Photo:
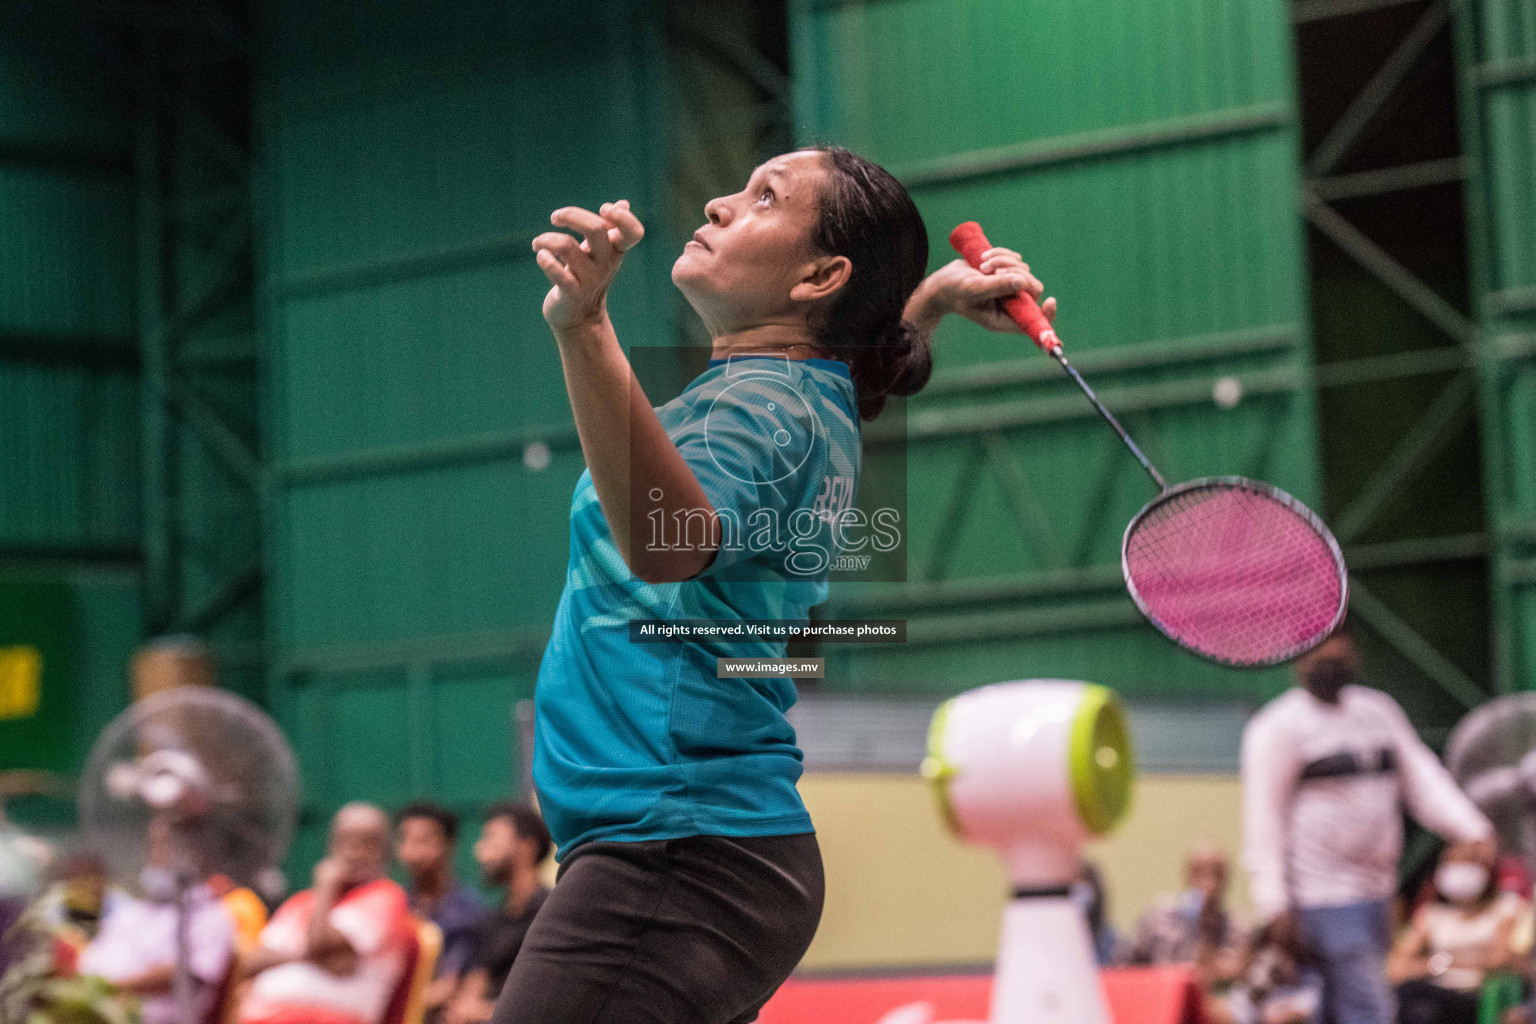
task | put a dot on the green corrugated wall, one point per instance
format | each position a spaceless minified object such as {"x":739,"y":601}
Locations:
{"x":408,"y":155}
{"x":69,"y":473}
{"x":1143,"y":158}
{"x":1496,"y":41}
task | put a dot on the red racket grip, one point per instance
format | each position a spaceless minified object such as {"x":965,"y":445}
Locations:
{"x":970,"y":242}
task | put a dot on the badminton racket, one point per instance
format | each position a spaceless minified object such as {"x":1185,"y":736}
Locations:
{"x":1234,"y":570}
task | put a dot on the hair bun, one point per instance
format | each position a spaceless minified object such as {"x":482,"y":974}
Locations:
{"x":899,"y":363}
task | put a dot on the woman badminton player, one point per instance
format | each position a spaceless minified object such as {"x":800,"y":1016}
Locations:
{"x":690,"y":879}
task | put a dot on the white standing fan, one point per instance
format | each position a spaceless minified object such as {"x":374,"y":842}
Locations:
{"x":211,"y":775}
{"x":1492,"y":755}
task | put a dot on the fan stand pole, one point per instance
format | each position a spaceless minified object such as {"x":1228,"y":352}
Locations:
{"x":181,"y":983}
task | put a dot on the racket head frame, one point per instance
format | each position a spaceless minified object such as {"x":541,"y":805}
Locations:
{"x":1273,"y":493}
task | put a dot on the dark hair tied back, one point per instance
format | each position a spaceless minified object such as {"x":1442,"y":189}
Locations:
{"x":867,"y":216}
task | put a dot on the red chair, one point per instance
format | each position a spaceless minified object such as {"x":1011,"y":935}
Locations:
{"x":407,"y":1005}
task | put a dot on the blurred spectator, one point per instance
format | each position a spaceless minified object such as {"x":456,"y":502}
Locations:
{"x":1087,"y":891}
{"x":1273,"y":987}
{"x":513,"y":844}
{"x":21,"y":862}
{"x":1326,"y":768}
{"x":1453,"y":942}
{"x":337,"y":952}
{"x":1194,"y":926}
{"x":76,"y":903}
{"x":135,"y":948}
{"x":427,"y":835}
{"x":245,"y":909}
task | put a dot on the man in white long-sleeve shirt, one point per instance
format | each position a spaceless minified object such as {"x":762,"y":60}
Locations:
{"x":1327,"y":767}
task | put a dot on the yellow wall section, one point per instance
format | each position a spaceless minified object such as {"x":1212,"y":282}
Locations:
{"x":901,"y":891}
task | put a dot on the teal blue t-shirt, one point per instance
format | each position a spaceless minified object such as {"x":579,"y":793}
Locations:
{"x":637,"y":741}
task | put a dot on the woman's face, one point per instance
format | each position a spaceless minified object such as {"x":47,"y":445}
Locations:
{"x":753,"y":263}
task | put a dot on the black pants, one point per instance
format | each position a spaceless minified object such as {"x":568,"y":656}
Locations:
{"x":700,"y":930}
{"x":1423,"y":1002}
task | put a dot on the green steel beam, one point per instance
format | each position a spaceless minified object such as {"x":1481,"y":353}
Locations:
{"x":979,"y":627}
{"x":734,"y":51}
{"x":1023,"y":501}
{"x":1412,"y":452}
{"x":1506,"y":73}
{"x":372,"y":273}
{"x":1275,"y":339}
{"x":1388,"y":179}
{"x":214,"y":139}
{"x":1410,"y":644}
{"x":1056,"y":584}
{"x":1388,"y":270}
{"x":1399,"y":554}
{"x":1512,"y":300}
{"x":1346,"y":131}
{"x":62,"y":158}
{"x":1474,"y":83}
{"x":1513,"y":346}
{"x":195,"y":257}
{"x":955,"y":511}
{"x":119,"y":353}
{"x":1207,"y":126}
{"x":234,"y":352}
{"x":103,"y":555}
{"x":927,"y":424}
{"x":1392,"y":366}
{"x":221,"y":441}
{"x":238,"y":588}
{"x":941,"y":594}
{"x":154,"y":343}
{"x":227,"y":269}
{"x":355,"y":659}
{"x":1305,"y":11}
{"x":195,"y":207}
{"x":492,"y":446}
{"x":495,"y":446}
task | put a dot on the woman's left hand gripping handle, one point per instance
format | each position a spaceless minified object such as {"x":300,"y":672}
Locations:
{"x":581,"y":271}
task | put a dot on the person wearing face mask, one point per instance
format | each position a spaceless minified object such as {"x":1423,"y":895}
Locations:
{"x":1454,"y":941}
{"x":1327,"y":768}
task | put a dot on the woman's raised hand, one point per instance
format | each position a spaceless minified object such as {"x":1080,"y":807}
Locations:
{"x":581,"y":271}
{"x":977,"y":293}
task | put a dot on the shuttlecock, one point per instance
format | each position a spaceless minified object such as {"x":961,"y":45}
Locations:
{"x":1227,"y":392}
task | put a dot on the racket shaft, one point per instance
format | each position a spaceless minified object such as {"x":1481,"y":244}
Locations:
{"x":971,"y":242}
{"x":1109,"y":418}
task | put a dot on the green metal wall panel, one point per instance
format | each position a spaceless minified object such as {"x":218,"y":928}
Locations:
{"x":1144,"y":159}
{"x":1496,"y":44}
{"x":408,"y":154}
{"x":69,"y":473}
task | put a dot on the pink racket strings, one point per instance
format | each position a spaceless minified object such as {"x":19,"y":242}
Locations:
{"x":1234,"y":571}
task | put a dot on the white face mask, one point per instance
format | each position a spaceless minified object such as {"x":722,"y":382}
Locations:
{"x":1460,"y":881}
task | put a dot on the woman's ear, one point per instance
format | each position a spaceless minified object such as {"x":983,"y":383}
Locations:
{"x":823,"y":277}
